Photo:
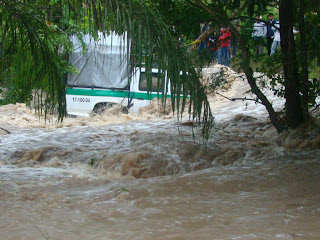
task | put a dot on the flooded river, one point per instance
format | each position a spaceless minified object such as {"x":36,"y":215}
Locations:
{"x":147,"y":177}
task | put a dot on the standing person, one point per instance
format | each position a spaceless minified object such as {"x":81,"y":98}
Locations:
{"x":213,"y":46}
{"x":204,"y":27}
{"x":270,"y":32}
{"x":259,"y":32}
{"x":224,"y":42}
{"x":276,"y":39}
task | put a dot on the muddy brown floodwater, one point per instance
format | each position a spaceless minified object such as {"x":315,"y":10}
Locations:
{"x":147,"y":177}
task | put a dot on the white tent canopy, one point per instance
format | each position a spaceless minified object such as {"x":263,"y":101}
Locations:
{"x":102,"y":63}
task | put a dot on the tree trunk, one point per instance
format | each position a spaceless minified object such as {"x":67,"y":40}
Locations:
{"x":275,"y":120}
{"x":294,"y":112}
{"x":304,"y":60}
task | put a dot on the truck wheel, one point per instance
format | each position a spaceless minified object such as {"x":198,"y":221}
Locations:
{"x":100,"y":108}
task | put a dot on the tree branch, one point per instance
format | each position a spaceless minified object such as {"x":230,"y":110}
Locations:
{"x":7,"y":131}
{"x":242,"y":99}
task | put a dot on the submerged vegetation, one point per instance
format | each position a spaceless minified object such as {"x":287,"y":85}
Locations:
{"x":34,"y":47}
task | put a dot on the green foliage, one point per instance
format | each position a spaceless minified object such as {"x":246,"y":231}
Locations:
{"x":12,"y":94}
{"x":272,"y":68}
{"x":92,"y":160}
{"x":218,"y":81}
{"x":182,"y":15}
{"x":30,"y":49}
{"x":121,"y":189}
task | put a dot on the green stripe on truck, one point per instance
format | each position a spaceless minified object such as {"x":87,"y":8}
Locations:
{"x":112,"y":93}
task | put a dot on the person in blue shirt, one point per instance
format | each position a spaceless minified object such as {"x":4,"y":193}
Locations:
{"x":203,"y":45}
{"x":270,"y":32}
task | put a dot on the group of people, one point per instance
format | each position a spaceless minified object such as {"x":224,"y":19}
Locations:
{"x":217,"y":44}
{"x":221,"y":45}
{"x":266,"y":30}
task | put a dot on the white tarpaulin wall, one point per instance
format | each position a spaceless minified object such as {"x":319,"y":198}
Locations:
{"x":103,"y":62}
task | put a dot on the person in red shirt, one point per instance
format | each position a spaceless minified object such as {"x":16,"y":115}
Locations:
{"x":224,"y":43}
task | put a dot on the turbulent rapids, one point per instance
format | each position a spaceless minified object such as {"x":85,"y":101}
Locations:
{"x":146,"y":176}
